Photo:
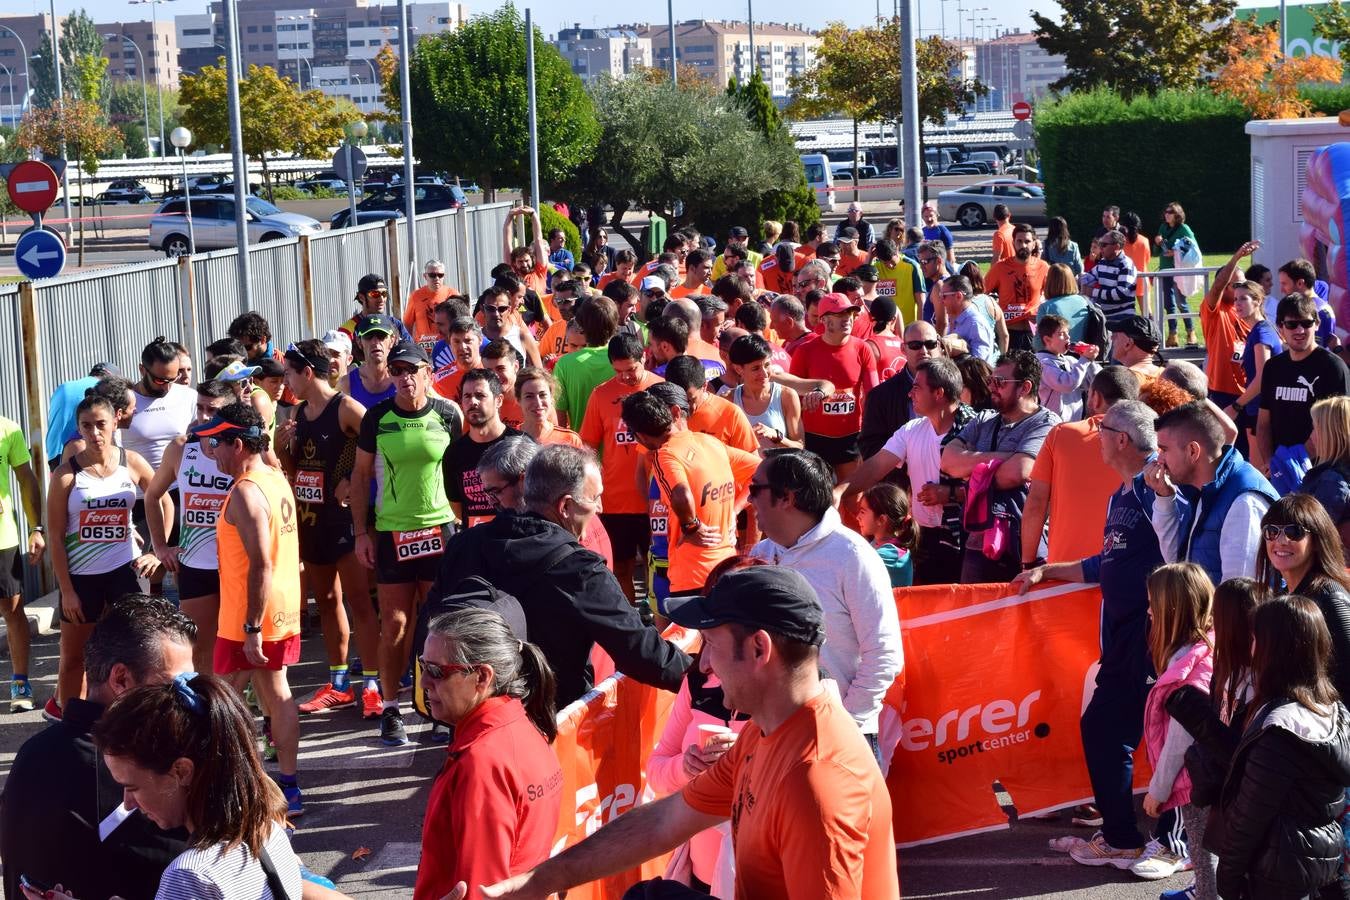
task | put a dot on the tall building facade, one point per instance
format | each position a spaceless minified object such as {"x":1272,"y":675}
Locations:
{"x":1016,"y":68}
{"x":127,"y":44}
{"x":592,"y":52}
{"x":721,"y":51}
{"x":19,"y":39}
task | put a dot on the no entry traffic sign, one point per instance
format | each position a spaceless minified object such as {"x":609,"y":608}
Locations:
{"x":32,"y":186}
{"x":1021,"y":110}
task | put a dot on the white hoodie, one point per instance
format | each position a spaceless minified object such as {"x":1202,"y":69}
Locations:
{"x":862,"y":650}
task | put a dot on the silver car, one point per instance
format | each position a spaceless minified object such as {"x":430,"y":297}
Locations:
{"x":973,"y":205}
{"x":213,"y":223}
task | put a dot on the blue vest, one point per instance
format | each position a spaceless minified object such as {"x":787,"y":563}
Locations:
{"x":1202,"y":512}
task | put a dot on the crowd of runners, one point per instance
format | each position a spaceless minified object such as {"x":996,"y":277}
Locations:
{"x":491,"y":499}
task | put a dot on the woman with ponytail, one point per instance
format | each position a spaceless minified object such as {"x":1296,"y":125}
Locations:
{"x":494,"y":806}
{"x":185,"y":754}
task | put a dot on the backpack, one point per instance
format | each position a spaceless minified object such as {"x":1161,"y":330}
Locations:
{"x":1094,"y":330}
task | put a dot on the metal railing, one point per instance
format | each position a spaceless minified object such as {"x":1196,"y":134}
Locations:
{"x":1161,"y":317}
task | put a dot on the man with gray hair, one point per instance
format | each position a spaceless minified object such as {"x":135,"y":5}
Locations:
{"x":502,"y":470}
{"x":813,"y":276}
{"x":1113,"y":723}
{"x":787,"y":318}
{"x":572,"y":600}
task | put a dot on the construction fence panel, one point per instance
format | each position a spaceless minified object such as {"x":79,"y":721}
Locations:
{"x":275,"y":269}
{"x":219,"y":298}
{"x":14,"y":406}
{"x":438,"y":237}
{"x":485,"y":243}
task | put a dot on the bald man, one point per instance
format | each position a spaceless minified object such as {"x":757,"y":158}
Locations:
{"x":888,"y":405}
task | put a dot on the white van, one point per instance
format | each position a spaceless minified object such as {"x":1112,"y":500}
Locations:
{"x":821,"y":179}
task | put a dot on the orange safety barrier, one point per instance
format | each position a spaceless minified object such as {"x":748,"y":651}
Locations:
{"x":993,"y":688}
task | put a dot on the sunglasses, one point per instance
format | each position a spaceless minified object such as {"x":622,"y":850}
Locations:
{"x":499,"y":310}
{"x":1293,"y":531}
{"x":1297,"y":324}
{"x":756,"y":488}
{"x":922,"y":345}
{"x":433,"y":672}
{"x":159,"y":381}
{"x":377,"y":293}
{"x":435,"y":274}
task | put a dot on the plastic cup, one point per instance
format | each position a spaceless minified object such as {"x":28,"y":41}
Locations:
{"x":705,"y":732}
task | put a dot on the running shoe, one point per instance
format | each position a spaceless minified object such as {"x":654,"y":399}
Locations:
{"x":372,"y":704}
{"x":440,"y":734}
{"x":20,"y":697}
{"x":1066,"y":844}
{"x":1097,"y":852}
{"x":308,"y":874}
{"x":51,"y":712}
{"x":392,"y":732}
{"x":328,"y":697}
{"x":405,"y":683}
{"x":1186,"y":893}
{"x":295,"y":801}
{"x":1157,"y":863}
{"x":1087,"y":815}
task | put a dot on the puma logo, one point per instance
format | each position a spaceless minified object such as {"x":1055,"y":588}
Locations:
{"x":1303,"y":380}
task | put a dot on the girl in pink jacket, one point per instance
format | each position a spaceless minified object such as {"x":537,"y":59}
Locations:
{"x":1181,"y":640}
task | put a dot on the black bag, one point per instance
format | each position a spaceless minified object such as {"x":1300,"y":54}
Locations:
{"x":1094,"y":330}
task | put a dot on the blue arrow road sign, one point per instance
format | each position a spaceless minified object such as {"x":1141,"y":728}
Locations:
{"x":40,"y":254}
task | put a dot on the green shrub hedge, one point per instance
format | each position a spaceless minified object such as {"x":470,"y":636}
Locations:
{"x":550,"y":219}
{"x":1097,"y":148}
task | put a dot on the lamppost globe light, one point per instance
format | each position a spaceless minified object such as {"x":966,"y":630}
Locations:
{"x":180,"y":137}
{"x":359,"y":128}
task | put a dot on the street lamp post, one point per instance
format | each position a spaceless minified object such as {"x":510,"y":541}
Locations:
{"x":182,"y":138}
{"x":355,"y":132}
{"x":145,"y":91}
{"x":9,"y":75}
{"x":27,"y":84}
{"x":159,"y":90}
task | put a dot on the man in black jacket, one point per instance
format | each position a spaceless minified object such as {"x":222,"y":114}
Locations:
{"x":61,"y":813}
{"x":571,"y":600}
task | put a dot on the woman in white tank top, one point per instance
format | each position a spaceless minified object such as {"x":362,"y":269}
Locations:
{"x":775,"y":412}
{"x":89,"y":503}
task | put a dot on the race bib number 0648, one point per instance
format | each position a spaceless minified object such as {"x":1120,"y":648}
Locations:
{"x":418,"y":544}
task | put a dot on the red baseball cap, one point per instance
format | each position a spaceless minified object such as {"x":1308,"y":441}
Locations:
{"x":834,"y":303}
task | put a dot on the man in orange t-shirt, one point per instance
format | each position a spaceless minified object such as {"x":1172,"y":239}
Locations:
{"x":702,"y":483}
{"x":603,"y":430}
{"x":709,"y":413}
{"x":530,"y":264}
{"x":809,"y":809}
{"x":1019,"y":282}
{"x":419,"y":316}
{"x":1003,"y":232}
{"x":565,"y":302}
{"x":501,"y":357}
{"x":1071,"y":485}
{"x":697,"y":265}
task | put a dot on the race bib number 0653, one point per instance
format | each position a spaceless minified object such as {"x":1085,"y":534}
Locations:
{"x":104,"y":526}
{"x":417,"y":544}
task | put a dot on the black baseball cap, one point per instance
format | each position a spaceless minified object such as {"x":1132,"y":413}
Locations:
{"x":1139,"y":329}
{"x":375,"y":322}
{"x":774,"y":598}
{"x":268,"y":367}
{"x":866,"y":272}
{"x":847,"y":233}
{"x":408,"y":352}
{"x":738,"y":231}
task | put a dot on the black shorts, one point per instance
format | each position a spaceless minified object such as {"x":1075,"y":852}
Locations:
{"x":142,"y":525}
{"x":327,"y":540}
{"x":197,"y":582}
{"x":11,"y":572}
{"x":417,"y":559}
{"x":96,"y":591}
{"x":834,"y":450}
{"x":630,"y":534}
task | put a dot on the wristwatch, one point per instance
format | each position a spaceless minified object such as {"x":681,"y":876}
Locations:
{"x":38,"y":528}
{"x":252,"y":629}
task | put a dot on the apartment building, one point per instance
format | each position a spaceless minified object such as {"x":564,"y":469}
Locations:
{"x":721,"y":51}
{"x":592,"y":52}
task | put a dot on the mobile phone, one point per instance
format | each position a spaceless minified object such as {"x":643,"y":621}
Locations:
{"x":34,"y":885}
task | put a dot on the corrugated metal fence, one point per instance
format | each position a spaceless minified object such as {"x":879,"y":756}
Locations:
{"x":303,"y":286}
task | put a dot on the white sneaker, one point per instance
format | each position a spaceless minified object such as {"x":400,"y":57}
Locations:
{"x":1157,"y":863}
{"x":1097,"y":852}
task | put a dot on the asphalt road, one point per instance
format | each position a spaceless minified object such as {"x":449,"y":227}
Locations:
{"x":361,"y":796}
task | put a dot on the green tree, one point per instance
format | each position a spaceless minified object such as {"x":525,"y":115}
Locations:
{"x":665,"y":149}
{"x":796,"y":202}
{"x":469,"y":105}
{"x":1333,"y":23}
{"x":279,"y":117}
{"x":79,"y":38}
{"x":1137,"y":46}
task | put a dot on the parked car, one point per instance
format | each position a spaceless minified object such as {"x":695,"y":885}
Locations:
{"x":213,"y":223}
{"x":331,"y":184}
{"x":986,"y":156}
{"x":428,"y":197}
{"x":968,"y":168}
{"x":126,"y":184}
{"x":363,"y":217}
{"x":973,"y":205}
{"x":124,"y":195}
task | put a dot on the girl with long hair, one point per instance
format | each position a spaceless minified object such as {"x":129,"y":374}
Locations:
{"x":1180,"y":597}
{"x":1329,"y":446}
{"x":1060,"y":247}
{"x":1285,"y":791}
{"x":884,"y":519}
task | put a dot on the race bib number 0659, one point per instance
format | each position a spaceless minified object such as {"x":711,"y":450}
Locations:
{"x":417,"y":544}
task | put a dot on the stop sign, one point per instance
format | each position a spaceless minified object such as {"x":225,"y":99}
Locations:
{"x":1021,"y":110}
{"x":32,"y":186}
